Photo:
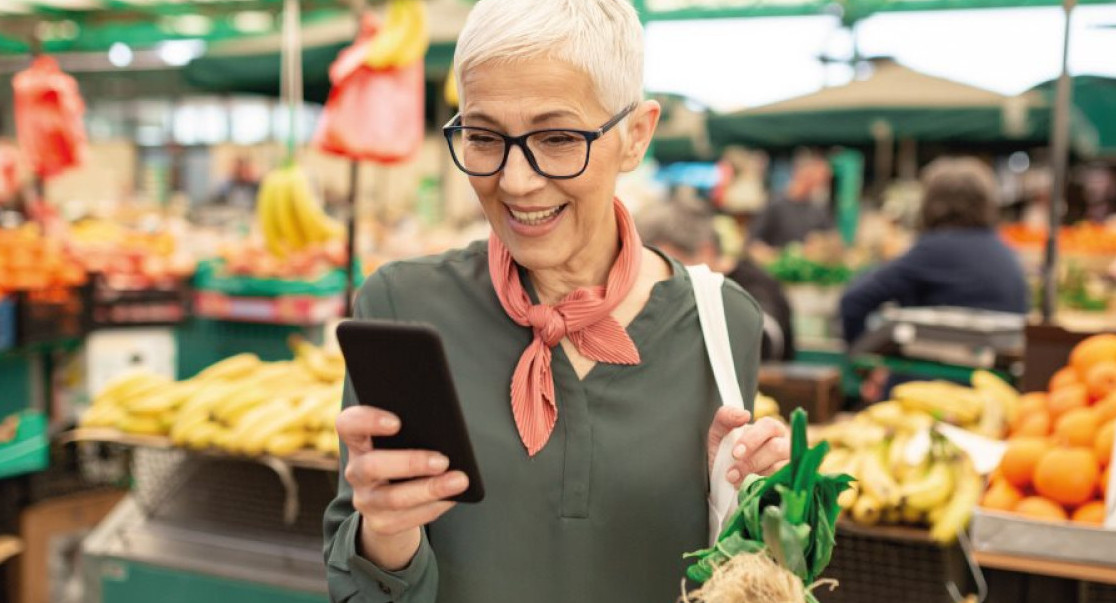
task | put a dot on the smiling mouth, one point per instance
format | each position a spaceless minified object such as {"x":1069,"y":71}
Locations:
{"x":534,"y":218}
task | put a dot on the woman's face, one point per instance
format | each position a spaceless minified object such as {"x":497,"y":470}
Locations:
{"x":548,"y":223}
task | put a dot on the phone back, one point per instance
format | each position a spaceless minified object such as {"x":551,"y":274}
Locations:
{"x":402,"y":368}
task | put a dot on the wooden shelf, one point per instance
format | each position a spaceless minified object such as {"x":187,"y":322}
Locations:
{"x":307,"y":459}
{"x":1105,"y":574}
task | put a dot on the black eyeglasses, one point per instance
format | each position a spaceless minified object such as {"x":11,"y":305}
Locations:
{"x":553,"y":153}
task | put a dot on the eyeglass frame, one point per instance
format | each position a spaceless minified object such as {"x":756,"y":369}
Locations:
{"x":453,"y":125}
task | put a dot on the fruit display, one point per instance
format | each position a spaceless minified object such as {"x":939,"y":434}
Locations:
{"x":241,"y":405}
{"x":310,"y":263}
{"x":30,"y":261}
{"x":1084,"y":238}
{"x":1057,"y":462}
{"x":906,"y":472}
{"x":129,"y":259}
{"x":290,"y":217}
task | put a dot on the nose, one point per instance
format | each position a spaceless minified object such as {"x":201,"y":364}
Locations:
{"x":518,"y":177}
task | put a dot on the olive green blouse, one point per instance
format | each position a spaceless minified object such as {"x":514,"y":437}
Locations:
{"x":605,"y":511}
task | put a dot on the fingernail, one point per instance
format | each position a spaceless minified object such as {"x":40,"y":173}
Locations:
{"x":439,"y":463}
{"x":457,"y":481}
{"x":733,"y":475}
{"x":389,"y":422}
{"x":738,"y":452}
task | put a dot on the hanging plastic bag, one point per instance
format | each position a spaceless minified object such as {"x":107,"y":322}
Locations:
{"x":9,"y":174}
{"x":49,"y":115}
{"x":372,"y":114}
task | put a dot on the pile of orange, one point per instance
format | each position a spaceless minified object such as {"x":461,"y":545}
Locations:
{"x":1057,"y":462}
{"x":1082,"y":238}
{"x":31,"y":262}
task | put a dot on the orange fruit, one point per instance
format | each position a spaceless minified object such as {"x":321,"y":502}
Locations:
{"x":1001,"y":496}
{"x":1021,"y":458}
{"x":1091,"y":351}
{"x":1102,"y":484}
{"x":1067,"y":475}
{"x":1091,"y":512}
{"x":1101,"y":379}
{"x":1103,"y":444}
{"x":1029,"y":404}
{"x":1106,"y":408}
{"x":1063,"y":377}
{"x":1037,"y":507}
{"x":1037,"y":425}
{"x":1078,"y":427}
{"x":1067,"y":398}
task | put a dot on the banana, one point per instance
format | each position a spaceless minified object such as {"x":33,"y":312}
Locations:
{"x":103,"y":415}
{"x":417,"y":39}
{"x":896,"y":452}
{"x":911,"y":515}
{"x":942,"y":400}
{"x":932,"y":490}
{"x":123,"y":387}
{"x":230,"y":410}
{"x":993,"y":421}
{"x":203,"y":435}
{"x":855,"y":434}
{"x":326,"y":442}
{"x":867,"y":510}
{"x":323,"y":365}
{"x":287,"y":442}
{"x":184,"y":426}
{"x":140,"y":425}
{"x":875,"y":479}
{"x":166,"y":401}
{"x":891,"y":515}
{"x":889,"y":414}
{"x":387,"y":46}
{"x":233,"y":367}
{"x":290,"y":230}
{"x":315,"y":225}
{"x":989,"y":384}
{"x":255,"y":441}
{"x":955,"y":514}
{"x":847,"y":499}
{"x":835,"y":461}
{"x":272,"y":194}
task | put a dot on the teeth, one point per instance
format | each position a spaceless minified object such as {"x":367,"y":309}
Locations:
{"x":534,"y":217}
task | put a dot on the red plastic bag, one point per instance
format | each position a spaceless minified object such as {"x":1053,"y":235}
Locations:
{"x":49,"y":112}
{"x":9,"y":173}
{"x":372,"y":114}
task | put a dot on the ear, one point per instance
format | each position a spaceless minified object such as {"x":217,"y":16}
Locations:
{"x":641,"y":126}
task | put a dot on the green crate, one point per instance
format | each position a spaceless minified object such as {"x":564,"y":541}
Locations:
{"x":15,"y":382}
{"x":29,"y":451}
{"x":202,"y":342}
{"x":128,"y":582}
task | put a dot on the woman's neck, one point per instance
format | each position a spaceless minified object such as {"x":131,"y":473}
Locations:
{"x":590,"y":268}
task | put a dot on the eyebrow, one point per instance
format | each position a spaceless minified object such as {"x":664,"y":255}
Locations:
{"x":540,"y":118}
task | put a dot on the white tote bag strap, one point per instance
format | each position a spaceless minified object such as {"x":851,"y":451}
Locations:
{"x":714,"y":327}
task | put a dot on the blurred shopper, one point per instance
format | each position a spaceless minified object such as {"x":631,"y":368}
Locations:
{"x":803,"y":208}
{"x":683,"y":228}
{"x":241,"y":188}
{"x":958,"y":259}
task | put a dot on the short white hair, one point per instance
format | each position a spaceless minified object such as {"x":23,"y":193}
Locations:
{"x":603,"y":38}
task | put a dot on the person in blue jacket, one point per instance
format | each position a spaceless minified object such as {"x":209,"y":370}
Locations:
{"x":958,"y":259}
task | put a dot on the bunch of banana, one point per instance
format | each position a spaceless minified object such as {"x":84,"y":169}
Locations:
{"x":290,"y":217}
{"x":123,"y":403}
{"x":986,"y":408}
{"x":765,"y":406}
{"x":404,"y":37}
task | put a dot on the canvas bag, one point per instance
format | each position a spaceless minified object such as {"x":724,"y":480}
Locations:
{"x":714,"y":327}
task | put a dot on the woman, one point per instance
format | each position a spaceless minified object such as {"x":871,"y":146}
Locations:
{"x":958,"y":259}
{"x":576,"y":352}
{"x":683,"y":228}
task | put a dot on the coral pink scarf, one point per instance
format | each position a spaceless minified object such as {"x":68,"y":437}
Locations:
{"x":584,"y":316}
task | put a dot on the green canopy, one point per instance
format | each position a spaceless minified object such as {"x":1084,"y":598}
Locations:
{"x":894,"y":103}
{"x":1094,"y":114}
{"x":95,"y":25}
{"x":849,"y":10}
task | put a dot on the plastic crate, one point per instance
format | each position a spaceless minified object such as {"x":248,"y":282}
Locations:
{"x":28,"y":451}
{"x":114,"y":307}
{"x":202,"y":342}
{"x":883,"y":564}
{"x":284,"y":309}
{"x":52,"y":314}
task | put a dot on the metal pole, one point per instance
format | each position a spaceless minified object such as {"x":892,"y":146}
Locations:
{"x":350,"y":243}
{"x":1059,"y":146}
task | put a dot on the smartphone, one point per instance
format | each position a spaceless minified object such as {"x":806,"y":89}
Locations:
{"x":402,"y":368}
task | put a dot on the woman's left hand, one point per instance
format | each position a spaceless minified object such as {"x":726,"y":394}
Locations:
{"x":763,"y":447}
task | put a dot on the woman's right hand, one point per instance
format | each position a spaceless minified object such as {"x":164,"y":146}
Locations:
{"x":396,"y":492}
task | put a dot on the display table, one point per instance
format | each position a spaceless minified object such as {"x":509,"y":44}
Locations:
{"x":1105,"y":574}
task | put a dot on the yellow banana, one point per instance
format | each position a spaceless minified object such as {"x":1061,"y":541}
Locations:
{"x":417,"y":39}
{"x":942,"y":400}
{"x":889,"y":414}
{"x":272,"y":194}
{"x":255,"y":441}
{"x":956,"y":513}
{"x":835,"y":461}
{"x":989,"y":384}
{"x":165,"y":401}
{"x":183,"y":426}
{"x":866,"y":511}
{"x":326,"y":442}
{"x":911,"y":515}
{"x":123,"y":387}
{"x":848,"y":498}
{"x":202,"y":436}
{"x":233,"y":367}
{"x":103,"y":415}
{"x":290,"y":230}
{"x":287,"y":442}
{"x":246,"y":431}
{"x":875,"y":479}
{"x":932,"y":490}
{"x":315,"y":225}
{"x":385,"y":46}
{"x":229,"y":410}
{"x":140,"y":425}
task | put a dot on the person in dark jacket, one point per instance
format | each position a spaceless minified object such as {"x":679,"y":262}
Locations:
{"x":683,"y":228}
{"x":958,"y":259}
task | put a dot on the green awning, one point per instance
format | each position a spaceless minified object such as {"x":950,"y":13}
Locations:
{"x":849,"y":10}
{"x":1094,"y":113}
